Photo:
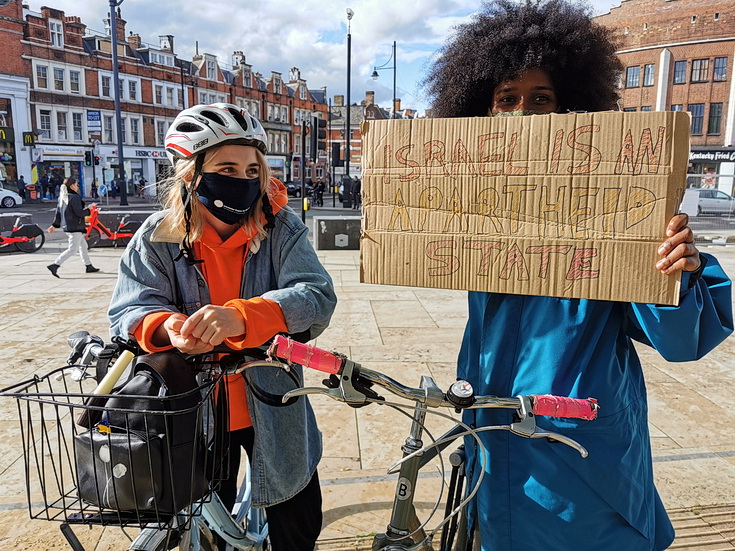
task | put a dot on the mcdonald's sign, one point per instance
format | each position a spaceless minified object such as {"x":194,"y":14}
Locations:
{"x":7,"y":134}
{"x":29,"y":138}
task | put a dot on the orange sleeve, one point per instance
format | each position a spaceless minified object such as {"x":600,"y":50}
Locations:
{"x":263,"y":319}
{"x":147,"y":328}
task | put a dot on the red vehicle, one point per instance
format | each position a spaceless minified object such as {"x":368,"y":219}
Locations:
{"x":27,"y":238}
{"x":97,"y":231}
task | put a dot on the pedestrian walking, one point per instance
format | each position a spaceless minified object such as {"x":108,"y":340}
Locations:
{"x":94,"y":190}
{"x":44,"y":186}
{"x":70,"y":213}
{"x":535,"y":58}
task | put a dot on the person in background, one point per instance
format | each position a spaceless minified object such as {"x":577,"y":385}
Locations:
{"x":228,"y":261}
{"x":535,"y":58}
{"x":93,"y":189}
{"x":356,"y":192}
{"x":44,"y":185}
{"x":22,"y":187}
{"x":70,"y":214}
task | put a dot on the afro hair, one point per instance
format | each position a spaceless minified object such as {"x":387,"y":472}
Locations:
{"x":507,"y":37}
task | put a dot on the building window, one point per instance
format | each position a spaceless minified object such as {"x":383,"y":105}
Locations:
{"x":45,"y":121}
{"x":170,"y":96}
{"x":76,"y":124}
{"x":632,"y":77}
{"x":57,"y":33}
{"x":700,"y":68}
{"x":123,"y":124}
{"x":135,"y":130}
{"x":284,"y":114}
{"x":121,"y":83}
{"x":74,"y":84}
{"x":717,"y":16}
{"x":629,"y":109}
{"x":677,"y":107}
{"x":159,"y":94}
{"x":160,"y":132}
{"x":108,"y":129}
{"x":106,"y":86}
{"x":720,"y":72}
{"x":133,"y":90}
{"x":41,"y":76}
{"x":646,"y":108}
{"x":180,"y":95}
{"x":277,"y":86}
{"x":59,"y":80}
{"x":694,"y":19}
{"x":211,"y":71}
{"x":61,"y":125}
{"x":302,"y":92}
{"x":715,"y":118}
{"x":203,"y":97}
{"x":697,"y":111}
{"x":680,"y":72}
{"x":648,"y":74}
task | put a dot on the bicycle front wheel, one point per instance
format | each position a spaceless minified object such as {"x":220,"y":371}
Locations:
{"x":34,"y":242}
{"x":94,"y":238}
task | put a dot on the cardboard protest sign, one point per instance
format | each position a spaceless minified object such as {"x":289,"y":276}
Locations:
{"x":569,"y":205}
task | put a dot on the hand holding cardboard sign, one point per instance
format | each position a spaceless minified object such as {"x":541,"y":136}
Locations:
{"x":678,"y":251}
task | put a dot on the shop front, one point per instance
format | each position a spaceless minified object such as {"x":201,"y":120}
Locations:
{"x":56,"y":163}
{"x":712,"y":169}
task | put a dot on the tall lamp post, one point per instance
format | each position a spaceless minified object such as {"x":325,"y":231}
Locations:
{"x":118,"y":117}
{"x":375,"y":76}
{"x":350,"y":13}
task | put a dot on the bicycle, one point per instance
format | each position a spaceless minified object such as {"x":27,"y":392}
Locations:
{"x":351,"y":383}
{"x":53,"y":432}
{"x":27,"y":238}
{"x":96,"y":230}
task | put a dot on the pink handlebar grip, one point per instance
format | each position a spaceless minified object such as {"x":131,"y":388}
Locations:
{"x":305,"y":354}
{"x":560,"y":406}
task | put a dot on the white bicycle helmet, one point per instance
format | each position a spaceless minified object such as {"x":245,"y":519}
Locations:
{"x":204,"y":126}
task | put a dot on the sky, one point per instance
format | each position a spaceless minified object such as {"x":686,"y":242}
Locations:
{"x":276,"y":35}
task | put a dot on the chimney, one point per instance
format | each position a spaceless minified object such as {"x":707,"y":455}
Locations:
{"x":398,"y":105}
{"x":339,"y":101}
{"x":166,"y":42}
{"x":294,"y":74}
{"x":134,"y":41}
{"x":238,"y":58}
{"x":369,"y":97}
{"x":120,"y":27}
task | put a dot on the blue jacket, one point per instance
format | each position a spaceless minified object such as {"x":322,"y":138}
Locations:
{"x":538,"y":494}
{"x":283,"y":268}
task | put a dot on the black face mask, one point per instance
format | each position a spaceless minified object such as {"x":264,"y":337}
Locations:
{"x":229,"y":199}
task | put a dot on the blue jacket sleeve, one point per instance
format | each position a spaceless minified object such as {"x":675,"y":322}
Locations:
{"x":703,"y":319}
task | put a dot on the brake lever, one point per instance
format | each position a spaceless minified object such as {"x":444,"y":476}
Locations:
{"x":526,"y":427}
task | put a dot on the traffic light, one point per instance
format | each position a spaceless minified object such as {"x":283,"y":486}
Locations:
{"x":87,"y":158}
{"x":317,"y":135}
{"x":96,"y":159}
{"x":337,"y":154}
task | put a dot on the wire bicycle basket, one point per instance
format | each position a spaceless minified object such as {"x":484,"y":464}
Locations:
{"x":142,"y":460}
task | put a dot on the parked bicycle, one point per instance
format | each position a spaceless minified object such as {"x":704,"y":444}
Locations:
{"x":27,"y":238}
{"x":97,"y":231}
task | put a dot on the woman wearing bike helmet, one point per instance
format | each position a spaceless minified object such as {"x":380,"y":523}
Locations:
{"x":228,"y":261}
{"x":535,"y":58}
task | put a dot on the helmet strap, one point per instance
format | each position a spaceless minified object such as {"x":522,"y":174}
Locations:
{"x":270,"y":219}
{"x":187,"y":250}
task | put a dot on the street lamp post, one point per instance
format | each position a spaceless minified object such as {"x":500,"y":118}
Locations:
{"x":350,"y":13}
{"x":118,"y":117}
{"x":384,"y":66}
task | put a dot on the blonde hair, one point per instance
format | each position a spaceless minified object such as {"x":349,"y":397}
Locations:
{"x":173,"y":194}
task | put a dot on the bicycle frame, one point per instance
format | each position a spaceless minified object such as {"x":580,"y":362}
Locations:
{"x":95,"y":224}
{"x":25,"y":243}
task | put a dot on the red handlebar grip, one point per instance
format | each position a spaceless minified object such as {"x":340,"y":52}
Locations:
{"x":305,"y":354}
{"x":561,"y":406}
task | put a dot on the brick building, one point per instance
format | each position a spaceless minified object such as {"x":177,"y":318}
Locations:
{"x":57,"y":91}
{"x":678,"y":55}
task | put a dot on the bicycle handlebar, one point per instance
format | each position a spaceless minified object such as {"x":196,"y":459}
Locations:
{"x":335,"y":364}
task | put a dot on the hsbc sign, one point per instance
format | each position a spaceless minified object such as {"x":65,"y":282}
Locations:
{"x":155,"y":153}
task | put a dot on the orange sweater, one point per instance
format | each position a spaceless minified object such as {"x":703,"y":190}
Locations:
{"x":223,"y":270}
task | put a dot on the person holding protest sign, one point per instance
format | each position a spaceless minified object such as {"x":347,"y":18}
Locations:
{"x":533,"y":58}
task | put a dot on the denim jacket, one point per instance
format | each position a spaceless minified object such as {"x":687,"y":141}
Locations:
{"x":283,"y":268}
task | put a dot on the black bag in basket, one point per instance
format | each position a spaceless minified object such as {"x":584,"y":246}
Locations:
{"x":136,"y":461}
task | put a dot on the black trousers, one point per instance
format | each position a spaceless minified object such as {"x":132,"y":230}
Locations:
{"x":293,"y":525}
